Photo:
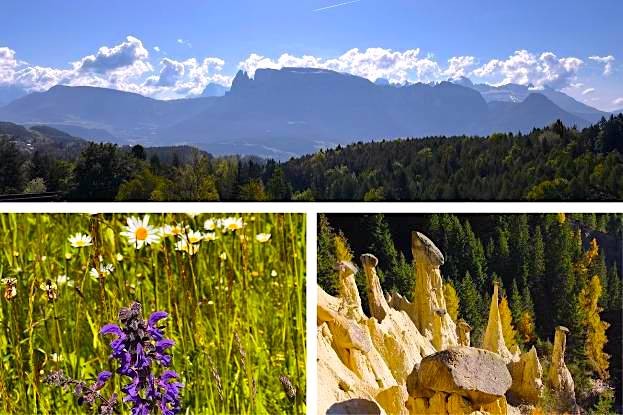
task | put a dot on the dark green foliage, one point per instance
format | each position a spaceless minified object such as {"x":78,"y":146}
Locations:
{"x":99,"y":171}
{"x":327,"y":259}
{"x":553,"y":163}
{"x":395,"y":273}
{"x":138,"y":152}
{"x":11,"y":167}
{"x":615,"y":289}
{"x":473,"y":307}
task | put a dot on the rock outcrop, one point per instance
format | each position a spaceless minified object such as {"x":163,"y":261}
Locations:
{"x":349,"y":293}
{"x":559,"y":377}
{"x":476,"y":374}
{"x":428,"y":294}
{"x":494,"y":337}
{"x":376,"y":300}
{"x":527,"y":377}
{"x":405,"y":358}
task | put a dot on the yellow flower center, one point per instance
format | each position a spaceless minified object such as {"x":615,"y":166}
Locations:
{"x":141,"y":234}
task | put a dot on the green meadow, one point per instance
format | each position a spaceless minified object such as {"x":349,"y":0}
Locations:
{"x":233,"y":286}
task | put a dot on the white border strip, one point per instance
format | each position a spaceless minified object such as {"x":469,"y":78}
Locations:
{"x":313,"y":208}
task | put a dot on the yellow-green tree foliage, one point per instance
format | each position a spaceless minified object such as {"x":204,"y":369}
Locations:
{"x":510,"y":335}
{"x":342,"y":249}
{"x":452,"y":300}
{"x":525,"y":327}
{"x":596,"y":329}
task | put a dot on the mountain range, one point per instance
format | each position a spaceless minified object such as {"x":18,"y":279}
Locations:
{"x":292,"y":111}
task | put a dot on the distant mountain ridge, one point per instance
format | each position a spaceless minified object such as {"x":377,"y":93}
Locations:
{"x":518,"y":93}
{"x":292,"y":111}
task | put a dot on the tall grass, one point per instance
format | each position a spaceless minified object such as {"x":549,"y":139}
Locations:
{"x":237,"y":309}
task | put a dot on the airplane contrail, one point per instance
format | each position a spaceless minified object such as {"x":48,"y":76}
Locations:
{"x":336,"y":5}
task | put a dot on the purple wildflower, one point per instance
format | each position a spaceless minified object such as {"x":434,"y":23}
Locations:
{"x":136,"y":346}
{"x":88,"y":395}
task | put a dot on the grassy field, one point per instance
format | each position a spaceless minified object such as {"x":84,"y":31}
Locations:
{"x":236,"y":307}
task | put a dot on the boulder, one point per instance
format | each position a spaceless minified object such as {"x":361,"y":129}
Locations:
{"x":527,"y":377}
{"x":355,"y":407}
{"x":479,"y":375}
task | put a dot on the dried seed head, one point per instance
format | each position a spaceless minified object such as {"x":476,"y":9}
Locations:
{"x":288,"y":387}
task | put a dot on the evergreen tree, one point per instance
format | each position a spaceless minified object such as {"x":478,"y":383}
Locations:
{"x":395,"y":273}
{"x":517,"y":305}
{"x":473,"y":309}
{"x":615,"y":301}
{"x":138,"y":152}
{"x":278,"y":188}
{"x":326,"y":256}
{"x":537,"y":274}
{"x":11,"y":173}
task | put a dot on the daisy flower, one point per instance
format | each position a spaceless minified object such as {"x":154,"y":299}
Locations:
{"x":193,"y":237}
{"x":232,"y":224}
{"x":183,"y":246}
{"x":104,"y":271}
{"x":80,"y":240}
{"x":139,"y":232}
{"x":210,"y":236}
{"x":262,"y":237}
{"x":210,"y":225}
{"x":172,"y":230}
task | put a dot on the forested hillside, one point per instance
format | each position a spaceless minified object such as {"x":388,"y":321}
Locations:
{"x":553,"y":269}
{"x":553,"y":163}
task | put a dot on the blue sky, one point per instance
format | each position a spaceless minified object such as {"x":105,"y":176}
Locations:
{"x":199,"y":41}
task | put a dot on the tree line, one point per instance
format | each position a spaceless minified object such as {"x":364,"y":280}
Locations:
{"x":552,"y":163}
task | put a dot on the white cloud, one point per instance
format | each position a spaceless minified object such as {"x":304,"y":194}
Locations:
{"x":606,"y":60}
{"x":618,"y":101}
{"x":373,"y":63}
{"x":576,"y":85}
{"x":8,"y":63}
{"x":526,"y":68}
{"x":458,"y":65}
{"x":157,"y":49}
{"x":184,"y":42}
{"x":588,"y":91}
{"x":125,"y":67}
{"x":185,"y":78}
{"x":170,"y":73}
{"x":128,"y":54}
